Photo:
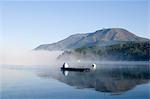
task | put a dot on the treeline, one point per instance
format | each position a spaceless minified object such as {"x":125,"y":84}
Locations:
{"x":139,"y":51}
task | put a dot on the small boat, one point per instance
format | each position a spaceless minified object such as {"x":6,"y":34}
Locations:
{"x":76,"y":69}
{"x":66,"y":67}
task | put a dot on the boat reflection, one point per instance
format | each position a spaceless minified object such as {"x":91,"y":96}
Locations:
{"x":109,"y":80}
{"x":65,"y":72}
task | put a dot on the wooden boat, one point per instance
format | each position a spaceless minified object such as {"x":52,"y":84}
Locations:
{"x":76,"y":69}
{"x":67,"y":68}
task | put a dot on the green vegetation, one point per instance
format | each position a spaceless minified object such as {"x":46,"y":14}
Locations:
{"x":127,"y":51}
{"x":139,"y":51}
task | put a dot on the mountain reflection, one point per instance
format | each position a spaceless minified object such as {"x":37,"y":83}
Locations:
{"x":110,"y":79}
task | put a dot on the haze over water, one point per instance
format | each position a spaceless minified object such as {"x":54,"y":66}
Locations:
{"x":110,"y":80}
{"x":28,"y":74}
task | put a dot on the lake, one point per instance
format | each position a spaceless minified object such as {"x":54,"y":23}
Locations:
{"x":110,"y":80}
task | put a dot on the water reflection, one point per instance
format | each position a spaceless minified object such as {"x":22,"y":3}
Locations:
{"x":106,"y":78}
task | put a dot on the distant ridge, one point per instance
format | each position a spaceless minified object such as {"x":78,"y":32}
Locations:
{"x":103,"y":37}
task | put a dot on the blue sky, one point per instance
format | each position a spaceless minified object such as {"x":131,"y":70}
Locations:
{"x":29,"y":24}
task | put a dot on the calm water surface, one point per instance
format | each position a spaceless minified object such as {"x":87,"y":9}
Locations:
{"x":108,"y":81}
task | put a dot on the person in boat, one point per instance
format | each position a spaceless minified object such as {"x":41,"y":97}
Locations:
{"x":66,"y":67}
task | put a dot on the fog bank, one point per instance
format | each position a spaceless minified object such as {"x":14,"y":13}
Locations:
{"x":28,"y":57}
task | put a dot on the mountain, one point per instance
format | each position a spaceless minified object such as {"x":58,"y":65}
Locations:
{"x":63,"y":44}
{"x":103,"y":37}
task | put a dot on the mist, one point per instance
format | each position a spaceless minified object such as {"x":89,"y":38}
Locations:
{"x":28,"y":57}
